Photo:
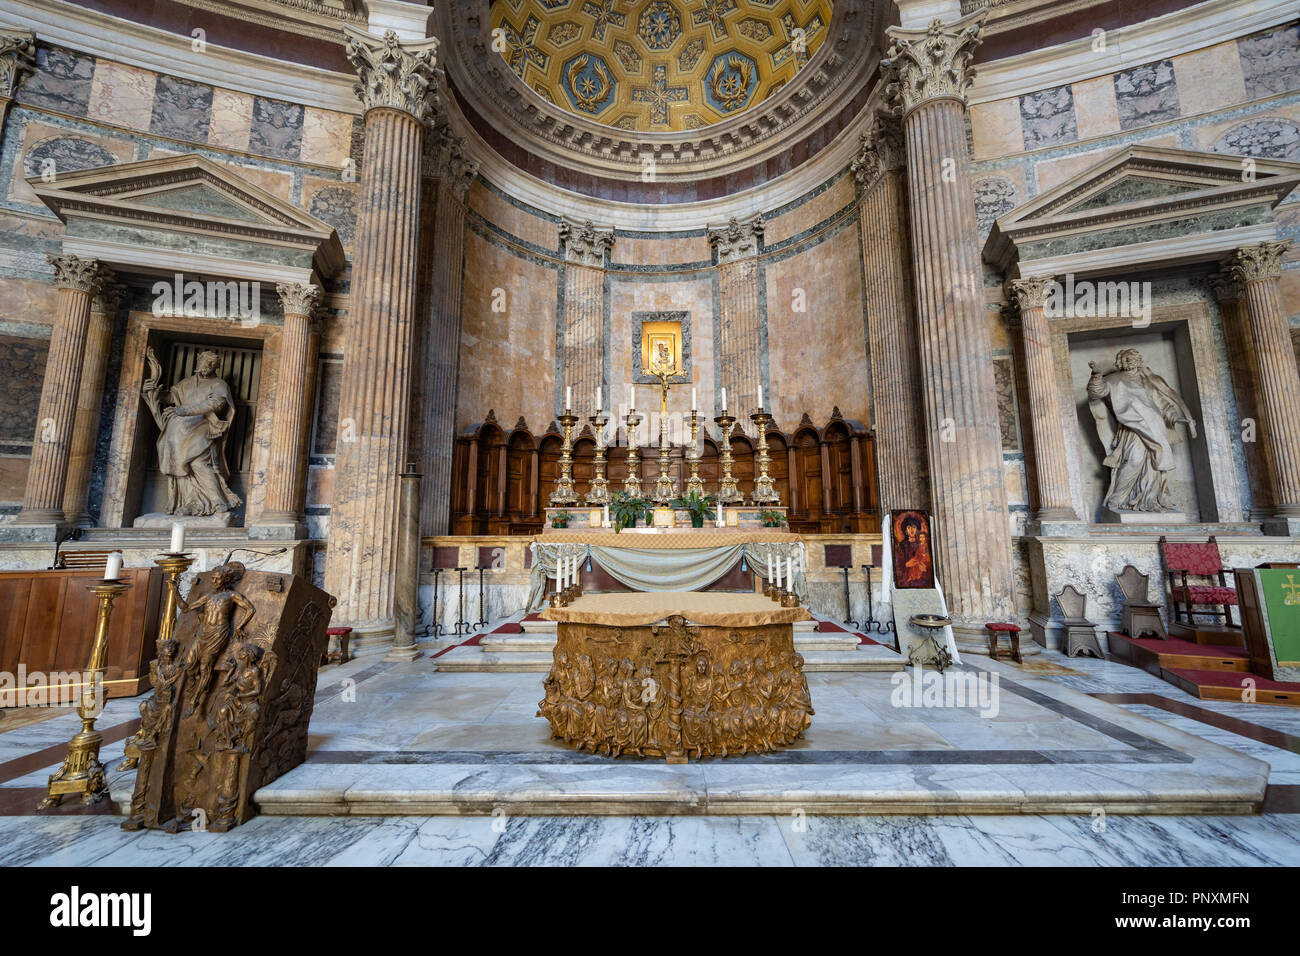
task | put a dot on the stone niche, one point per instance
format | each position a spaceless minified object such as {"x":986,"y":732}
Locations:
{"x":1166,"y":350}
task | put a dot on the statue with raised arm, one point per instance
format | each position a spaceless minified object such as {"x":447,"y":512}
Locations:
{"x":193,"y":418}
{"x":1138,"y":451}
{"x":216,"y":629}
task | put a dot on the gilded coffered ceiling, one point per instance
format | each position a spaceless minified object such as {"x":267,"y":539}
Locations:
{"x":657,"y":65}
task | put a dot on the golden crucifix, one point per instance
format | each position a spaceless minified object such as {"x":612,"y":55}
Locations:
{"x":663,"y":369}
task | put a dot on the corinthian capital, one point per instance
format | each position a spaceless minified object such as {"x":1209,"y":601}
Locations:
{"x":1030,"y":293}
{"x":73,"y":272}
{"x":298,"y":298}
{"x":880,"y":149}
{"x":17,"y":54}
{"x":1263,"y":261}
{"x":737,"y":240}
{"x":446,"y":158}
{"x":584,"y":244}
{"x":928,"y":64}
{"x":392,"y":73}
{"x":108,"y":298}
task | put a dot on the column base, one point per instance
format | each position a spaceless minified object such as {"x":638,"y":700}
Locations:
{"x":367,"y":640}
{"x":403,"y":654}
{"x":1050,"y":527}
{"x":34,"y":530}
{"x":290,"y":530}
{"x":973,"y":639}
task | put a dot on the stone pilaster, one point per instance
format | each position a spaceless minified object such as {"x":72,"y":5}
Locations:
{"x":929,"y":74}
{"x":280,"y":509}
{"x":1050,"y":464}
{"x":17,"y":56}
{"x":448,"y":173}
{"x":896,"y":405}
{"x":77,"y":280}
{"x":1259,"y":270}
{"x":90,"y":398}
{"x":375,"y":387}
{"x":1241,"y":363}
{"x":739,"y":339}
{"x":583,"y":346}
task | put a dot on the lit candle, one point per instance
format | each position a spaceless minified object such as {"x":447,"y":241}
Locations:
{"x":113,"y":566}
{"x":568,"y":397}
{"x":178,"y":537}
{"x":724,"y":399}
{"x":760,"y":398}
{"x":692,"y":399}
{"x":599,"y":405}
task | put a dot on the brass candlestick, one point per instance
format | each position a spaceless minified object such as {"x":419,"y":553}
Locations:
{"x":81,"y":771}
{"x":694,"y":484}
{"x":632,"y":483}
{"x":564,"y":493}
{"x":599,"y":493}
{"x":173,"y":565}
{"x":665,"y":487}
{"x":728,"y":490}
{"x":765,"y":492}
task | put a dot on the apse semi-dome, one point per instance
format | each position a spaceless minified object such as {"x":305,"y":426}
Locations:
{"x":658,"y":65}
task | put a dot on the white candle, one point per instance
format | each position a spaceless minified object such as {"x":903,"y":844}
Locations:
{"x":778,"y":572}
{"x":178,"y":537}
{"x":564,"y":571}
{"x":568,"y":397}
{"x":599,"y":406}
{"x":760,"y":398}
{"x":724,"y":399}
{"x":631,"y":398}
{"x":769,"y":566}
{"x":789,"y":572}
{"x":113,"y":566}
{"x":692,"y":399}
{"x":605,"y":523}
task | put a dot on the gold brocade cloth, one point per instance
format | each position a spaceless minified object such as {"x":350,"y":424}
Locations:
{"x":705,"y":608}
{"x":668,"y":540}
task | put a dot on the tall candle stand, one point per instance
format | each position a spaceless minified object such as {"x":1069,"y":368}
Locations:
{"x":564,"y":493}
{"x":665,"y":486}
{"x":694,"y":484}
{"x":764,"y":490}
{"x":173,"y":566}
{"x":728,"y":490}
{"x":599,"y":493}
{"x":81,"y":772}
{"x":632,"y":483}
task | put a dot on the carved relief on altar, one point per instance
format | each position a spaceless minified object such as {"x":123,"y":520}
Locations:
{"x":676,"y":691}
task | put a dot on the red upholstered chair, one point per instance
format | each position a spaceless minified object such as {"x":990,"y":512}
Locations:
{"x":1181,"y":558}
{"x":1013,"y":638}
{"x":336,"y":647}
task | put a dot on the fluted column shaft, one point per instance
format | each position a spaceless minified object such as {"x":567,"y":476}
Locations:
{"x":1051,"y":468}
{"x":584,"y":353}
{"x":1258,"y":268}
{"x":281,"y":504}
{"x":90,"y":398}
{"x":77,"y":280}
{"x":1242,"y":364}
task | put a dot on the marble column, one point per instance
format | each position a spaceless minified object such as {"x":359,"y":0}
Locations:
{"x":929,"y":73}
{"x":1259,"y":270}
{"x":448,"y":173}
{"x":1241,"y":363}
{"x":1050,"y":464}
{"x":17,"y":56}
{"x":583,"y":346}
{"x":739,"y":339}
{"x":375,"y":386}
{"x":90,"y":399}
{"x":281,"y":517}
{"x":897,"y":410}
{"x":77,"y":281}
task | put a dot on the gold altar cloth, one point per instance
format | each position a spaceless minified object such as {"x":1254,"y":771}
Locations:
{"x":705,"y":608}
{"x":667,"y":539}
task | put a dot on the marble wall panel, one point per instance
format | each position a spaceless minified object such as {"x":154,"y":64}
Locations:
{"x":665,"y":251}
{"x":181,"y":109}
{"x":1270,"y":61}
{"x":1095,"y":108}
{"x":995,"y":129}
{"x":333,"y":202}
{"x":61,"y":82}
{"x":22,"y":370}
{"x":69,"y":151}
{"x":1146,"y":94}
{"x":13,"y":480}
{"x":1209,"y":79}
{"x":996,"y":196}
{"x":1053,"y":172}
{"x":1271,"y":137}
{"x":326,"y":137}
{"x":27,"y":301}
{"x":1047,"y":118}
{"x":808,"y":214}
{"x":121,"y":95}
{"x":511,"y":219}
{"x":232,"y":120}
{"x":276,"y":128}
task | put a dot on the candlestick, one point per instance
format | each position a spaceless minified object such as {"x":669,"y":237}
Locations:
{"x":178,"y":538}
{"x":764,"y":489}
{"x":564,"y":494}
{"x":599,"y":492}
{"x":632,"y":483}
{"x":728,"y":490}
{"x":694,"y":483}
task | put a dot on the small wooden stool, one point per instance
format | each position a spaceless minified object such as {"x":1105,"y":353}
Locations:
{"x":1013,"y":638}
{"x":336,"y":652}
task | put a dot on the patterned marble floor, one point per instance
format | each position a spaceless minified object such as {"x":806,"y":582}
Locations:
{"x":380,"y":719}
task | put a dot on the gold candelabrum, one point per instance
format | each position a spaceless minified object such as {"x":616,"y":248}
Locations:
{"x":173,"y":566}
{"x":728,"y":490}
{"x":765,"y":492}
{"x":599,"y":493}
{"x":694,"y":484}
{"x":81,"y":772}
{"x":564,"y":493}
{"x":632,"y":483}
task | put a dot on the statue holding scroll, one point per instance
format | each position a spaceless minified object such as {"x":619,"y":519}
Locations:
{"x":1137,"y":446}
{"x":193,"y":418}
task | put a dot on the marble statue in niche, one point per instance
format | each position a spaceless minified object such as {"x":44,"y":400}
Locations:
{"x":193,"y":417}
{"x":1134,"y":408}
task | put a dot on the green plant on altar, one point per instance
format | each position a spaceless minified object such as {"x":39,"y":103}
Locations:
{"x":700,"y":509}
{"x":560,"y":519}
{"x":627,"y":510}
{"x":771,"y":518}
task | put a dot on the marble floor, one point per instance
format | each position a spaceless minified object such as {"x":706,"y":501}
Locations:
{"x":408,"y":765}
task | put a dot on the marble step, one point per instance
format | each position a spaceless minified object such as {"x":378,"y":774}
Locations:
{"x":548,"y":627}
{"x":867,"y":657}
{"x":533,"y":643}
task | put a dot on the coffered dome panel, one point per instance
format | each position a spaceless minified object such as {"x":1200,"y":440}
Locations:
{"x":657,"y":65}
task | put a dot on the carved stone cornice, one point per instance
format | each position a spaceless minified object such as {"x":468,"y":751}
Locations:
{"x":1224,"y":286}
{"x":108,"y":297}
{"x":74,"y":272}
{"x":447,"y":158}
{"x":1030,"y":293}
{"x":583,"y":243}
{"x":1263,"y":261}
{"x":737,"y":240}
{"x":881,"y":150}
{"x":17,"y":56}
{"x":394,"y":74}
{"x":299,"y":298}
{"x":931,"y":64}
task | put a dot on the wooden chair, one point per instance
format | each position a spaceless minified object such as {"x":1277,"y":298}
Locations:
{"x":1012,"y":632}
{"x":1141,"y":617}
{"x":1080,"y":633}
{"x":1201,"y":560}
{"x":81,"y":560}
